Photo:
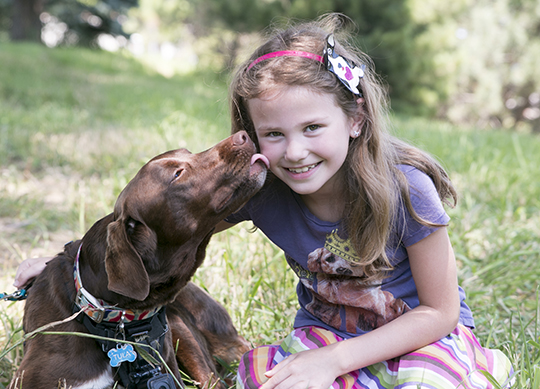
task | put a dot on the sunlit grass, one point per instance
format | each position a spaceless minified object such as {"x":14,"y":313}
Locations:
{"x":75,"y":126}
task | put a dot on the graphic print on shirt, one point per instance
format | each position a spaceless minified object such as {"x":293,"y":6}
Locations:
{"x":340,"y":296}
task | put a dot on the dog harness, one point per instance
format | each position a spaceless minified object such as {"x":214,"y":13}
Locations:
{"x":138,"y":367}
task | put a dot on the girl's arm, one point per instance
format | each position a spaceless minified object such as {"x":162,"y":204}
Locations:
{"x":434,"y":271}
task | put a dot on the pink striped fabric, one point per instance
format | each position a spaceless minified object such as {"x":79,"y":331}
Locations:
{"x":456,"y":361}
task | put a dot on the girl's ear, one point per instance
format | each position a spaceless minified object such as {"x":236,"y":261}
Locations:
{"x":358,"y":121}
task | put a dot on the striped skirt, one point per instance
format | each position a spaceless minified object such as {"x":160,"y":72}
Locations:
{"x":456,"y":361}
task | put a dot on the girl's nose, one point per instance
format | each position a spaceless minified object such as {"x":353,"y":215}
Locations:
{"x":296,"y":151}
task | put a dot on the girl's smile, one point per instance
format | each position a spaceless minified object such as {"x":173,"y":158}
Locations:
{"x":303,"y":169}
{"x":305,"y":136}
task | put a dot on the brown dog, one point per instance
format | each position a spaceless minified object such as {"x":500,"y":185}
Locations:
{"x":133,"y":262}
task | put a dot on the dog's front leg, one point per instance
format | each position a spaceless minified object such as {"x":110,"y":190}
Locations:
{"x":190,"y":355}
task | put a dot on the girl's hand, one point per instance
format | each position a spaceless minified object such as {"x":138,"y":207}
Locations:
{"x":28,"y":269}
{"x":310,"y":369}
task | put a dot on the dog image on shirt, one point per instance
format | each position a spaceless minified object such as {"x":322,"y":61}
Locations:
{"x":341,"y":297}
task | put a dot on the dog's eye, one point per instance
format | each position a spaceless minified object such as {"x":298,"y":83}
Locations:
{"x":130,"y":226}
{"x":178,"y":173}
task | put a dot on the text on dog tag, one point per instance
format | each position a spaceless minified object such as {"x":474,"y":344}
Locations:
{"x":122,"y":353}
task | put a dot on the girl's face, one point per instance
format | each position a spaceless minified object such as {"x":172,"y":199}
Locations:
{"x":305,"y":136}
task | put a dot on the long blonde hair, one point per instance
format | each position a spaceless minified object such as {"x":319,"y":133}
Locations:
{"x":375,"y":187}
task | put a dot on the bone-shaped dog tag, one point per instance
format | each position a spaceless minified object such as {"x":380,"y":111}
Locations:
{"x":122,"y":353}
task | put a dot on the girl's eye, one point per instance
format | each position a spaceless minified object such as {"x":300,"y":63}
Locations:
{"x":274,"y":134}
{"x":312,"y":127}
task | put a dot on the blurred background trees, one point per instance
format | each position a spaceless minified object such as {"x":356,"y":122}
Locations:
{"x":468,"y":61}
{"x":80,"y":21}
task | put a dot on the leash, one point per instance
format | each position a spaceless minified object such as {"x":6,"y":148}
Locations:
{"x":18,"y":295}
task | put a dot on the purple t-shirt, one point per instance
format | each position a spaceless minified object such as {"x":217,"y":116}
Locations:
{"x":331,"y":290}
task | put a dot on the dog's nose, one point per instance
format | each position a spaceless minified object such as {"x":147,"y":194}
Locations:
{"x":240,"y":138}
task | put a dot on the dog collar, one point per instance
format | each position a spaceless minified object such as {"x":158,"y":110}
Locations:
{"x":100,"y":311}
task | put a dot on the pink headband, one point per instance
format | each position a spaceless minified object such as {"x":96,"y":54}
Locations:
{"x":287,"y":53}
{"x":347,"y":72}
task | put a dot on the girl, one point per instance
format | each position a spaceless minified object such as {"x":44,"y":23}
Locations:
{"x":359,"y":216}
{"x":360,"y":219}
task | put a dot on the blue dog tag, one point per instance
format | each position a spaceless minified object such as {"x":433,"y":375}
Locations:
{"x":122,"y":353}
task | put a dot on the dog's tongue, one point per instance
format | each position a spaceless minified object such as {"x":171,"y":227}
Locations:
{"x":259,"y":157}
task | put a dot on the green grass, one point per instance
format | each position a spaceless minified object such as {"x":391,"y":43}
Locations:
{"x":75,"y":126}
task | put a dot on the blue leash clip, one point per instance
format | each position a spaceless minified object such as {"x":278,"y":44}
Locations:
{"x":18,"y":295}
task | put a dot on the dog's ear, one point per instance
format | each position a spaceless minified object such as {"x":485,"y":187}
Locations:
{"x":125,"y":269}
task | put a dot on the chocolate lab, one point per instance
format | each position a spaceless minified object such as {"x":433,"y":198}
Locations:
{"x":129,"y":278}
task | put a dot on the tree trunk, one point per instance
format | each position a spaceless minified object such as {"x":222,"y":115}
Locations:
{"x":26,"y":25}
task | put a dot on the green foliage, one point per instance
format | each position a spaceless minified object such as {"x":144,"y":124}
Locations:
{"x":167,"y":19}
{"x":75,"y":126}
{"x":76,"y":96}
{"x":467,"y":61}
{"x":86,"y":19}
{"x":5,"y":16}
{"x":77,"y":22}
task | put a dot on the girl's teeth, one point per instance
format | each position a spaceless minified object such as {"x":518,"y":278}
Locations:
{"x":302,"y":169}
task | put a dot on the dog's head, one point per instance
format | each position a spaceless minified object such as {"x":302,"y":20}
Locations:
{"x":176,"y":199}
